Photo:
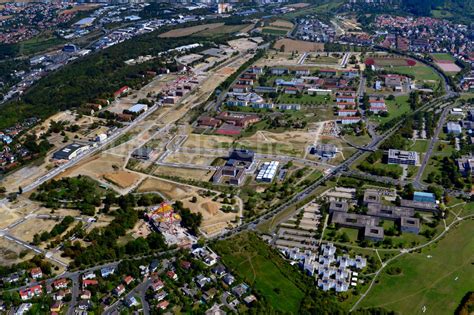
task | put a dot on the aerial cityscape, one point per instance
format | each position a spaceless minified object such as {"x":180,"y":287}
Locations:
{"x":237,"y":157}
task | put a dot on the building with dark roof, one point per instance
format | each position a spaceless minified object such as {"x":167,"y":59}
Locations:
{"x":341,"y":206}
{"x":371,"y":196}
{"x":234,"y":175}
{"x":242,"y":155}
{"x":70,"y":151}
{"x":142,"y":153}
{"x":373,"y":233}
{"x":410,"y":225}
{"x":353,"y":220}
{"x":420,"y":206}
{"x":403,"y":157}
{"x":389,"y":212}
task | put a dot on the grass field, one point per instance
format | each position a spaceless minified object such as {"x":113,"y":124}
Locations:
{"x":396,"y":108}
{"x":304,"y":99}
{"x":436,"y":278}
{"x":221,"y":30}
{"x":440,"y":150}
{"x":420,"y":72}
{"x":444,"y":56}
{"x":420,"y":146}
{"x":274,"y":31}
{"x":39,"y":44}
{"x":259,"y":266}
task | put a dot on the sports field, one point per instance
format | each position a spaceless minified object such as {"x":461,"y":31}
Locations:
{"x":435,"y":279}
{"x":253,"y":261}
{"x":443,"y":57}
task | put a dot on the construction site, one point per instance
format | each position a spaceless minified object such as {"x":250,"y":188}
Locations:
{"x":165,"y":220}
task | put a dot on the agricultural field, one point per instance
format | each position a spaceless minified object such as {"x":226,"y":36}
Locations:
{"x":223,"y":29}
{"x":437,"y":278}
{"x":275,"y":31}
{"x":187,"y":31}
{"x":259,"y":266}
{"x":39,"y":44}
{"x":278,"y":27}
{"x":299,"y":46}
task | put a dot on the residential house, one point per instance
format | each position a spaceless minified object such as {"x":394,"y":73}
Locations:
{"x":119,"y":290}
{"x":85,"y":295}
{"x":60,"y":284}
{"x":107,"y":271}
{"x":172,"y":275}
{"x":127,"y":280}
{"x":86,"y":283}
{"x":36,"y":273}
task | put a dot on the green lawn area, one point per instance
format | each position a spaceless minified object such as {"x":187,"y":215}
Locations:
{"x":325,"y":8}
{"x":420,"y":146}
{"x":396,"y":108}
{"x":261,"y":267}
{"x":352,"y":233}
{"x":304,"y":99}
{"x":437,"y":278}
{"x":443,"y":56}
{"x":322,"y":60}
{"x":39,"y":44}
{"x":441,"y":149}
{"x":275,"y":31}
{"x":420,"y":72}
{"x":358,"y":140}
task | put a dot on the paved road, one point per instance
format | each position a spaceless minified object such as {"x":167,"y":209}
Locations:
{"x":434,"y":140}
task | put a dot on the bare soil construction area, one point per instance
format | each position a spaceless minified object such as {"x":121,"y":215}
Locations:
{"x":214,"y":219}
{"x":10,"y":253}
{"x":181,"y":32}
{"x":123,"y":179}
{"x":27,"y":230}
{"x":298,"y":45}
{"x":192,"y":174}
{"x":208,"y":142}
{"x":286,"y":143}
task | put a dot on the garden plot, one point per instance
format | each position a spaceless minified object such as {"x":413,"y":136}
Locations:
{"x":299,"y":230}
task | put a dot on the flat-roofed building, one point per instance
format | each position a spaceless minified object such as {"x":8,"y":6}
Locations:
{"x":410,"y":225}
{"x":341,"y":206}
{"x":70,"y":151}
{"x":373,"y":233}
{"x":466,"y":165}
{"x":142,"y":153}
{"x":389,"y":212}
{"x":422,"y":196}
{"x":138,"y":108}
{"x":324,"y":150}
{"x":353,"y":219}
{"x":372,"y":196}
{"x":420,"y":206}
{"x":403,"y":157}
{"x":234,"y":175}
